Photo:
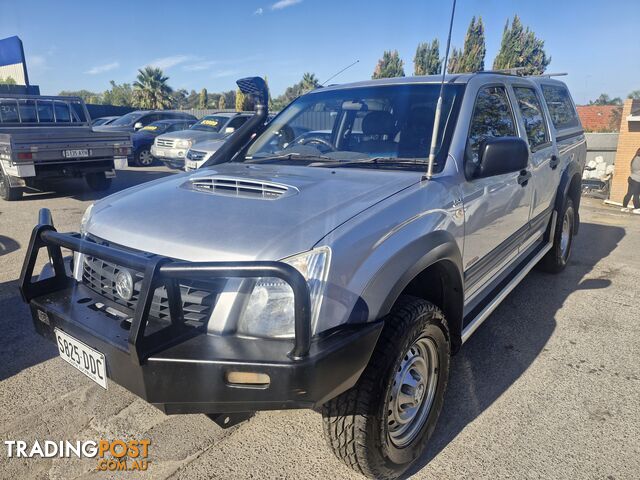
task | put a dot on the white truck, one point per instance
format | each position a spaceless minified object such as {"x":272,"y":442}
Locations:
{"x":44,"y":137}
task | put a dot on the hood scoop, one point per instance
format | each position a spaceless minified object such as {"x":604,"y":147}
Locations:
{"x":240,"y":187}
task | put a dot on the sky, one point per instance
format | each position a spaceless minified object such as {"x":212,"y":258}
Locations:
{"x":72,"y":45}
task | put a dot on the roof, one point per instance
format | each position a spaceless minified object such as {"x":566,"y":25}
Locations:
{"x":175,"y":120}
{"x":461,"y":78}
{"x":600,"y":118}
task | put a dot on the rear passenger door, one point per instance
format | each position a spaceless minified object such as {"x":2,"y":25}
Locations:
{"x":497,"y":207}
{"x":543,"y":158}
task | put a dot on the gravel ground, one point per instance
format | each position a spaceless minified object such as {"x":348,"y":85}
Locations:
{"x":548,"y":387}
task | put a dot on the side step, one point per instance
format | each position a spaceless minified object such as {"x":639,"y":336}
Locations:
{"x":506,"y":290}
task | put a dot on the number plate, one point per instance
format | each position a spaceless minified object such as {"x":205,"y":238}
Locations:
{"x":81,"y":153}
{"x":160,"y":152}
{"x":191,"y":165}
{"x":84,"y":358}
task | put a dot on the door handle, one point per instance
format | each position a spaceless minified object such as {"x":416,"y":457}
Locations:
{"x":555,"y":161}
{"x":524,"y":177}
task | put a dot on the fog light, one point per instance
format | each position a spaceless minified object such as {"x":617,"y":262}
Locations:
{"x":248,"y":378}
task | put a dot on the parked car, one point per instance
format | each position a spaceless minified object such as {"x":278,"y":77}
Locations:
{"x":327,"y":273}
{"x":42,"y":138}
{"x":134,"y":121}
{"x":171,"y":148}
{"x":142,"y":140}
{"x":96,"y":122}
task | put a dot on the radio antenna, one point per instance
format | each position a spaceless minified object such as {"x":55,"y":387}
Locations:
{"x":336,"y":74}
{"x":436,"y":122}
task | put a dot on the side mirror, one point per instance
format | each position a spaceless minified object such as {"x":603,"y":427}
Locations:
{"x":500,"y":155}
{"x":229,"y":130}
{"x":137,"y":126}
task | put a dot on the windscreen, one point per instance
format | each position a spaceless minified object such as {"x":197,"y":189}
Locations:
{"x":381,"y":122}
{"x":211,"y":123}
{"x":128,"y":119}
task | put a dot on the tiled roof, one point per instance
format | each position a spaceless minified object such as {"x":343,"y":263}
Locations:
{"x":600,"y":118}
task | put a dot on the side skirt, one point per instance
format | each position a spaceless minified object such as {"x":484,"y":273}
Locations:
{"x":503,"y":289}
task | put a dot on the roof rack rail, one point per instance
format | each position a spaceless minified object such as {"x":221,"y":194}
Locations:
{"x":549,"y":75}
{"x":514,"y":72}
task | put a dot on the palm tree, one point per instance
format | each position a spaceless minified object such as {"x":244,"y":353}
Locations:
{"x":150,"y":89}
{"x":309,"y":81}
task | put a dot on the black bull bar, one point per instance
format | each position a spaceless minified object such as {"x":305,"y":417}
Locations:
{"x":158,"y":271}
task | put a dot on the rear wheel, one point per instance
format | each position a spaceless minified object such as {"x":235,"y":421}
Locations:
{"x":98,"y":182}
{"x":558,"y":257}
{"x":144,"y":158}
{"x":7,"y":192}
{"x":382,"y":425}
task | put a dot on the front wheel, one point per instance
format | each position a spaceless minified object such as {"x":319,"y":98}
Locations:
{"x":558,"y":257}
{"x":98,"y":182}
{"x":7,"y":192}
{"x":144,"y":158}
{"x":382,"y":425}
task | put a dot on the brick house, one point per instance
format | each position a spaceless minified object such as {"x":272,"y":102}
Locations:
{"x":628,"y":145}
{"x":600,"y":118}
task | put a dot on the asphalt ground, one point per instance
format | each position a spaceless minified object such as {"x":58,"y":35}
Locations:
{"x":548,"y":387}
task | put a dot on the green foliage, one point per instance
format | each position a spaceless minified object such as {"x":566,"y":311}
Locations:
{"x":7,"y":81}
{"x":308,"y":83}
{"x":86,"y":95}
{"x":605,"y":99}
{"x":222,"y":104}
{"x":204,"y":99}
{"x":520,"y":48}
{"x":240,"y":100}
{"x":180,"y":99}
{"x":635,"y":95}
{"x":455,"y":57}
{"x":390,"y":65}
{"x":120,"y":95}
{"x":471,"y":58}
{"x":150,"y":90}
{"x":427,"y":59}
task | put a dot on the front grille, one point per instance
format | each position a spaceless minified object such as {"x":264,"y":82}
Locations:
{"x":198,"y":298}
{"x":241,"y":187}
{"x":165,"y":142}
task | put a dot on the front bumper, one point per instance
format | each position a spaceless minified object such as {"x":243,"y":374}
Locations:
{"x":185,"y":370}
{"x":172,"y":157}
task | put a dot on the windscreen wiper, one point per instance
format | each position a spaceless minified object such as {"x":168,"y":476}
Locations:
{"x":291,"y":156}
{"x":375,"y":160}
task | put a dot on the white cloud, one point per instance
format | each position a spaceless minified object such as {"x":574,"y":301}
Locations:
{"x":171,"y":61}
{"x":36,"y":61}
{"x":259,"y":11}
{"x":102,"y":68}
{"x":280,"y":4}
{"x":199,"y":66}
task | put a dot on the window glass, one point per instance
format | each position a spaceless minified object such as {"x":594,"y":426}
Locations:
{"x":27,"y":111}
{"x":532,"y":116}
{"x":45,"y":110}
{"x":77,"y":112}
{"x":63,"y":115}
{"x":237,"y":122}
{"x":492,"y":117}
{"x":563,"y":114}
{"x":8,"y":111}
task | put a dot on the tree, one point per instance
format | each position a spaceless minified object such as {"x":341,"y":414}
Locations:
{"x":427,"y":59}
{"x":471,"y":58}
{"x":150,"y":90}
{"x":240,"y":99}
{"x":120,"y":95}
{"x":86,"y":95}
{"x":455,"y":58}
{"x":204,"y":98}
{"x":8,"y":81}
{"x":605,"y":99}
{"x":222,"y":105}
{"x":306,"y":84}
{"x":390,"y":65}
{"x":520,"y":48}
{"x":229,"y":98}
{"x":635,"y":95}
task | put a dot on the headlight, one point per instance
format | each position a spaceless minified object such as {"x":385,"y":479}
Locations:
{"x":269,"y":311}
{"x":183,"y":143}
{"x":85,"y":219}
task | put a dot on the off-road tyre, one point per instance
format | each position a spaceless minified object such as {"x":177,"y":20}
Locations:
{"x":7,"y":192}
{"x":557,"y":258}
{"x":356,"y":422}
